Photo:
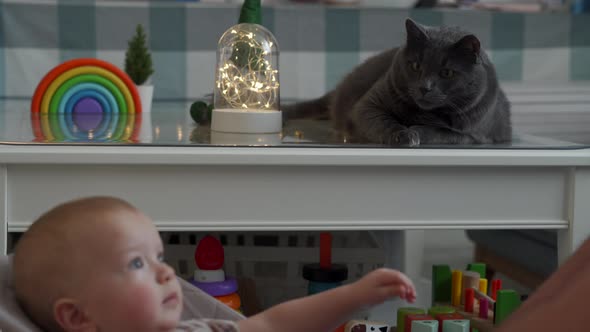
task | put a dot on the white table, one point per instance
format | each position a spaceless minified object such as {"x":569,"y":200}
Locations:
{"x":241,"y":188}
{"x":536,"y":183}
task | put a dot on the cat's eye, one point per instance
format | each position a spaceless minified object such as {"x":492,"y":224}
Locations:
{"x":447,"y":73}
{"x":415,"y":65}
{"x":136,"y":263}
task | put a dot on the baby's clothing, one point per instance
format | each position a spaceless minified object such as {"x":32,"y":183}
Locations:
{"x":207,"y":325}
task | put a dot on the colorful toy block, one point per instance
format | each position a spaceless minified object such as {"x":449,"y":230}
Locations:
{"x":403,"y":312}
{"x":508,"y":301}
{"x":456,"y":284}
{"x":483,"y":308}
{"x":496,"y":286}
{"x":365,"y":326}
{"x":483,"y":285}
{"x":424,"y":326}
{"x":437,"y":310}
{"x":469,"y":280}
{"x":444,"y":317}
{"x":479,"y":312}
{"x":441,"y":284}
{"x":455,"y":325}
{"x":469,"y":299}
{"x":409,"y":319}
{"x":477,"y":267}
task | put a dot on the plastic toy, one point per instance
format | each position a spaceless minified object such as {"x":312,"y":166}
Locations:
{"x":209,"y":254}
{"x":325,"y":275}
{"x":232,"y":300}
{"x":209,"y":275}
{"x":218,"y":288}
{"x":86,"y":99}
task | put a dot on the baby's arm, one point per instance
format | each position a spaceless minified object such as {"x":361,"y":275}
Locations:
{"x":325,"y":311}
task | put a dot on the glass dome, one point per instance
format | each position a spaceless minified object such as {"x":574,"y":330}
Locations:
{"x":246,"y":97}
{"x":247,"y":75}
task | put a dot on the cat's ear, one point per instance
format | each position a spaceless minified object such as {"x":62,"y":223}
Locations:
{"x":416,"y":34}
{"x":469,"y":47}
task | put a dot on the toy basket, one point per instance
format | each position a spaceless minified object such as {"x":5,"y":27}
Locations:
{"x":274,"y":261}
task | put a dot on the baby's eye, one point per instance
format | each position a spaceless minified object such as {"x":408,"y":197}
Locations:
{"x":161,"y":257}
{"x":136,"y":263}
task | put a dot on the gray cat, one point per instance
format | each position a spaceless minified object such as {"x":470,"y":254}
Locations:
{"x":438,"y":88}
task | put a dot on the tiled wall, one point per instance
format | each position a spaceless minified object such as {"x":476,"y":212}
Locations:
{"x":318,"y":44}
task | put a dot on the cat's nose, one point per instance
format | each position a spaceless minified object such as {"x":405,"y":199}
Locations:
{"x":424,"y":90}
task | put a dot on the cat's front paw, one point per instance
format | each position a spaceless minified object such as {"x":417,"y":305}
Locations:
{"x":407,"y":137}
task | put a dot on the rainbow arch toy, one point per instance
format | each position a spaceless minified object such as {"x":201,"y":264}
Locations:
{"x":85,"y":99}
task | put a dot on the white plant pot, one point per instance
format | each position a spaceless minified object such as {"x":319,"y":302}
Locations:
{"x":146,"y":93}
{"x":145,"y":133}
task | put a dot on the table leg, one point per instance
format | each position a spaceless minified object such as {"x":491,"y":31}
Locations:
{"x":404,"y":250}
{"x":578,"y":213}
{"x":3,"y":209}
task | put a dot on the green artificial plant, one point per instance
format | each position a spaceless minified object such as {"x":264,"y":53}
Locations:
{"x":138,"y":60}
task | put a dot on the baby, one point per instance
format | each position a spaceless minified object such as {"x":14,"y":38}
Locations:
{"x":97,"y":264}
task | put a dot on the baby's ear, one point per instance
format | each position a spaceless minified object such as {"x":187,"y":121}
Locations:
{"x":70,"y":316}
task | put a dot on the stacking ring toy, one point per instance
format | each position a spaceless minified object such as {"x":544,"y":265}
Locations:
{"x":86,"y":99}
{"x":209,"y":275}
{"x":232,"y":300}
{"x":221,"y":288}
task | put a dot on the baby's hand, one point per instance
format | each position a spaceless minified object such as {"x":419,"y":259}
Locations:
{"x":383,"y":284}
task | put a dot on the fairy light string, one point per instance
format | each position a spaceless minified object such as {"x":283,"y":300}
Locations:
{"x":246,"y":79}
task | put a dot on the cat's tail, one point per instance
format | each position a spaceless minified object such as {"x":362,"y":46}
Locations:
{"x":311,"y":109}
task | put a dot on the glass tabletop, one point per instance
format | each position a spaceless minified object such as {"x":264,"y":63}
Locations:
{"x":169,"y":124}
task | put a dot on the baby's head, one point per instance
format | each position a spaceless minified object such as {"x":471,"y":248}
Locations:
{"x":96,"y":264}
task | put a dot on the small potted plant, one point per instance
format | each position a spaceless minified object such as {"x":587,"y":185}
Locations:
{"x":138,"y":65}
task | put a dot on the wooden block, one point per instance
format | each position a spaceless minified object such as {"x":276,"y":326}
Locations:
{"x":456,"y":325}
{"x":469,"y":280}
{"x":442,"y":317}
{"x":496,"y":286}
{"x":507,"y":301}
{"x":483,"y":308}
{"x":437,"y":310}
{"x":401,"y":316}
{"x":456,"y":287}
{"x":477,"y":267}
{"x":363,"y":325}
{"x":441,"y":283}
{"x":483,"y":325}
{"x":411,"y":318}
{"x":483,"y":285}
{"x":469,"y":299}
{"x":424,"y":326}
{"x":479,"y":295}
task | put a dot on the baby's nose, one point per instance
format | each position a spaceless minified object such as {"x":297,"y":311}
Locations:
{"x":165,"y":273}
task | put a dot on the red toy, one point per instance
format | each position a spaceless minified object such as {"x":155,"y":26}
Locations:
{"x":209,"y":254}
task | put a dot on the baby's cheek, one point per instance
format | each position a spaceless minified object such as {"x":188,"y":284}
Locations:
{"x":142,"y":304}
